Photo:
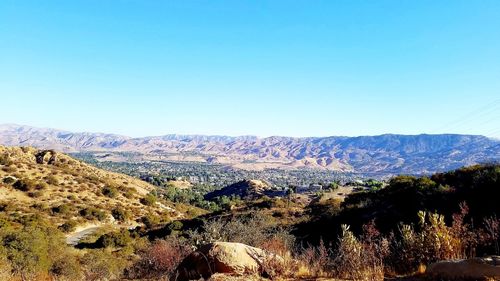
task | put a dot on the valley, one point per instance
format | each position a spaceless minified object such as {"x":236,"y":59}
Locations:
{"x":388,"y":154}
{"x":154,"y":222}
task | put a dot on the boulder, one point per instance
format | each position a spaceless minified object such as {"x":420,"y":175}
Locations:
{"x":222,"y":257}
{"x":475,"y":269}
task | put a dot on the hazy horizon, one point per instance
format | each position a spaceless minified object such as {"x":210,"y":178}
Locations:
{"x":288,"y":68}
{"x":231,"y":136}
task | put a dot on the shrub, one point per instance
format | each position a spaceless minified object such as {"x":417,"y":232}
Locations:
{"x":5,"y":266}
{"x":52,"y":180}
{"x":92,"y":213}
{"x":30,"y":249}
{"x":315,"y":261}
{"x":35,"y":194}
{"x":40,"y":186}
{"x":66,"y":267}
{"x":115,"y":239}
{"x":279,"y":262}
{"x":62,"y":209}
{"x":109,"y":191}
{"x":9,"y":180}
{"x":9,"y":169}
{"x":68,"y":226}
{"x":150,"y":221}
{"x":24,"y":185}
{"x":27,"y":251}
{"x":120,"y":214}
{"x":149,"y":200}
{"x":253,"y":231}
{"x":492,"y":227}
{"x":129,"y":193}
{"x":160,"y":260}
{"x":102,"y":265}
{"x":5,"y":160}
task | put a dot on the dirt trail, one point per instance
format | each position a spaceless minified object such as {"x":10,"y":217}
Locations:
{"x":83,"y":231}
{"x":75,"y":237}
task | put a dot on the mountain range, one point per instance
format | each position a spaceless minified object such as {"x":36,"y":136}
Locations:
{"x":388,"y":153}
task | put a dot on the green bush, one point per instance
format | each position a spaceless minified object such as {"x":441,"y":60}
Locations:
{"x":115,"y":239}
{"x":150,"y":221}
{"x":92,"y":213}
{"x":5,"y":160}
{"x":68,"y":226}
{"x":149,"y":200}
{"x":9,"y":180}
{"x":109,"y":191}
{"x":52,"y":180}
{"x":102,"y":265}
{"x":25,"y":185}
{"x":30,"y":249}
{"x":66,"y":266}
{"x":62,"y":209}
{"x":120,"y":214}
{"x":129,"y":193}
{"x":35,"y":194}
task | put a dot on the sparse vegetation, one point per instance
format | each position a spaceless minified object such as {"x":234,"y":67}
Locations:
{"x":424,"y":219}
{"x":121,"y":214}
{"x":149,"y":200}
{"x":110,"y":191}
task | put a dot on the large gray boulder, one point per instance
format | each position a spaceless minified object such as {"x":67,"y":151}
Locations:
{"x":476,"y":269}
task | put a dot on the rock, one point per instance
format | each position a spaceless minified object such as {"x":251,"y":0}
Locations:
{"x":476,"y":269}
{"x":40,"y":157}
{"x":222,"y":257}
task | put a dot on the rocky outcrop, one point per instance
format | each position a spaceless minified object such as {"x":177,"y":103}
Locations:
{"x":473,"y":269}
{"x":223,"y":257}
{"x":41,"y":156}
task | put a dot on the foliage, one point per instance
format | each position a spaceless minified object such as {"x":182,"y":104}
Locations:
{"x":24,"y":185}
{"x":110,"y":191}
{"x":5,"y":160}
{"x":149,"y":200}
{"x":160,"y":260}
{"x":9,"y":180}
{"x":102,"y":265}
{"x":32,"y":248}
{"x":68,"y":226}
{"x":52,"y":180}
{"x":121,"y":238}
{"x":121,"y":214}
{"x":150,"y":221}
{"x":333,"y":185}
{"x":62,"y":209}
{"x":92,"y":213}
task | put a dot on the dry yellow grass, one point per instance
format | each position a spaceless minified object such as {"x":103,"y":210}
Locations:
{"x":72,"y":183}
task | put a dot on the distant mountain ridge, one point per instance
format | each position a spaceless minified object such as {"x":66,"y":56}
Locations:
{"x":389,"y":153}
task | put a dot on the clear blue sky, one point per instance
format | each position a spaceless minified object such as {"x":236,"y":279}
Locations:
{"x":296,"y":68}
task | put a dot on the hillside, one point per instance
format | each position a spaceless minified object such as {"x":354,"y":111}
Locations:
{"x":63,"y":189}
{"x":478,"y":187}
{"x":392,"y":154}
{"x":247,"y":189}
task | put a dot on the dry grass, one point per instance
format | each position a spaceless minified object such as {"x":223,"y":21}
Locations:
{"x":69,"y":181}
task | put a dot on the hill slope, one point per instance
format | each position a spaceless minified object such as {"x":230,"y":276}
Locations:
{"x":61,"y":188}
{"x":477,"y":186}
{"x":385,"y":153}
